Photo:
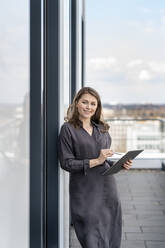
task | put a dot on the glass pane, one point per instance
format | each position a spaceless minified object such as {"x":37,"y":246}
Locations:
{"x":14,"y":124}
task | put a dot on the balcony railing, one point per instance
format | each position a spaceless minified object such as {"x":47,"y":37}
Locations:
{"x":131,"y":134}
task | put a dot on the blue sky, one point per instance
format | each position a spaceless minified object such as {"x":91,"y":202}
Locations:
{"x":125,"y":50}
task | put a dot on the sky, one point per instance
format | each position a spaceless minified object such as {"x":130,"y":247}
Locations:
{"x":125,"y":54}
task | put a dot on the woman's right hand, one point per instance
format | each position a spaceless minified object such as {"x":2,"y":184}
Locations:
{"x":104,"y":153}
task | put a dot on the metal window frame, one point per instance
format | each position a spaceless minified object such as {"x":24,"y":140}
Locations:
{"x":35,"y":225}
{"x":77,"y":54}
{"x":45,"y":117}
{"x":73,"y":48}
{"x":44,"y":124}
{"x":83,"y":45}
{"x":51,"y":85}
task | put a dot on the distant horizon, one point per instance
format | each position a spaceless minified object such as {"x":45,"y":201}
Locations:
{"x":103,"y":103}
{"x":133,"y":103}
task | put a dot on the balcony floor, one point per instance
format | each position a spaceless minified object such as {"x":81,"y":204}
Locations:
{"x":142,"y":193}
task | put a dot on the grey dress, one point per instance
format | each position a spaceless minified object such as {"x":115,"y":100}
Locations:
{"x":94,"y":202}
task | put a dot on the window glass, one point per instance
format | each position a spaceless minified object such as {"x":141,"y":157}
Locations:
{"x":14,"y":124}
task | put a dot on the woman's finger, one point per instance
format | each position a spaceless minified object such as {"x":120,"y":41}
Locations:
{"x":128,"y":162}
{"x":126,"y":166}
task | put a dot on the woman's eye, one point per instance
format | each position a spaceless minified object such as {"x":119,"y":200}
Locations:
{"x":94,"y":104}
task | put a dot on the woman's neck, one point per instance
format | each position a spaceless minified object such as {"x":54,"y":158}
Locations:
{"x":86,"y":122}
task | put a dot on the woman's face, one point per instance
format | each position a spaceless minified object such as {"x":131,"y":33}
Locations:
{"x":87,"y":106}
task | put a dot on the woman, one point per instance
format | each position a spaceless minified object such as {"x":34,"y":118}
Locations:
{"x":84,"y":145}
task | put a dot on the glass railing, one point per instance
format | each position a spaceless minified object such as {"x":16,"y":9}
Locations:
{"x":147,"y":134}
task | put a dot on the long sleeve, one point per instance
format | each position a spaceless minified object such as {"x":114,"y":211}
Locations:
{"x":67,"y":159}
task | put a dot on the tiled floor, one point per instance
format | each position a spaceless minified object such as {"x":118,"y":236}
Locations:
{"x":142,"y":194}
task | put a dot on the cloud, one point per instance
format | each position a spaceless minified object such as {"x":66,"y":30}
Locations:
{"x":123,"y":72}
{"x":163,"y":20}
{"x":146,"y":26}
{"x":157,"y":67}
{"x":135,"y":62}
{"x":144,"y":75}
{"x":105,"y":69}
{"x":102,"y":63}
{"x":146,"y":10}
{"x":133,"y":93}
{"x":149,"y":30}
{"x":134,"y":24}
{"x":162,"y":10}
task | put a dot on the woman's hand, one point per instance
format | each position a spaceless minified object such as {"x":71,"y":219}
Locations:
{"x":104,"y":153}
{"x":127,"y":164}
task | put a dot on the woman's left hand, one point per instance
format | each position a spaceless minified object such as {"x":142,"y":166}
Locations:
{"x":127,"y":164}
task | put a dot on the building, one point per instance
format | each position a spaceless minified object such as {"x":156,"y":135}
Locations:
{"x":129,"y":134}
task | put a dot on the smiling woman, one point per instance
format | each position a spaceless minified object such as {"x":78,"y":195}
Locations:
{"x":83,"y":147}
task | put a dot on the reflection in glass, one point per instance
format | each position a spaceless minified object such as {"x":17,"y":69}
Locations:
{"x":14,"y":124}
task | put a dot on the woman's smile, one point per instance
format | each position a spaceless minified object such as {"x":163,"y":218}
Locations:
{"x":87,"y":112}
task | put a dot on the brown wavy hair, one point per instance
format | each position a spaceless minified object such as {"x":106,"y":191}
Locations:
{"x":72,"y":111}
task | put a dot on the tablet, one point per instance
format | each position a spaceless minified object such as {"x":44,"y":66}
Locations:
{"x":118,"y":165}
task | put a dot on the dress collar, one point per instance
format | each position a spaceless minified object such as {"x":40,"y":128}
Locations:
{"x":93,"y":122}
